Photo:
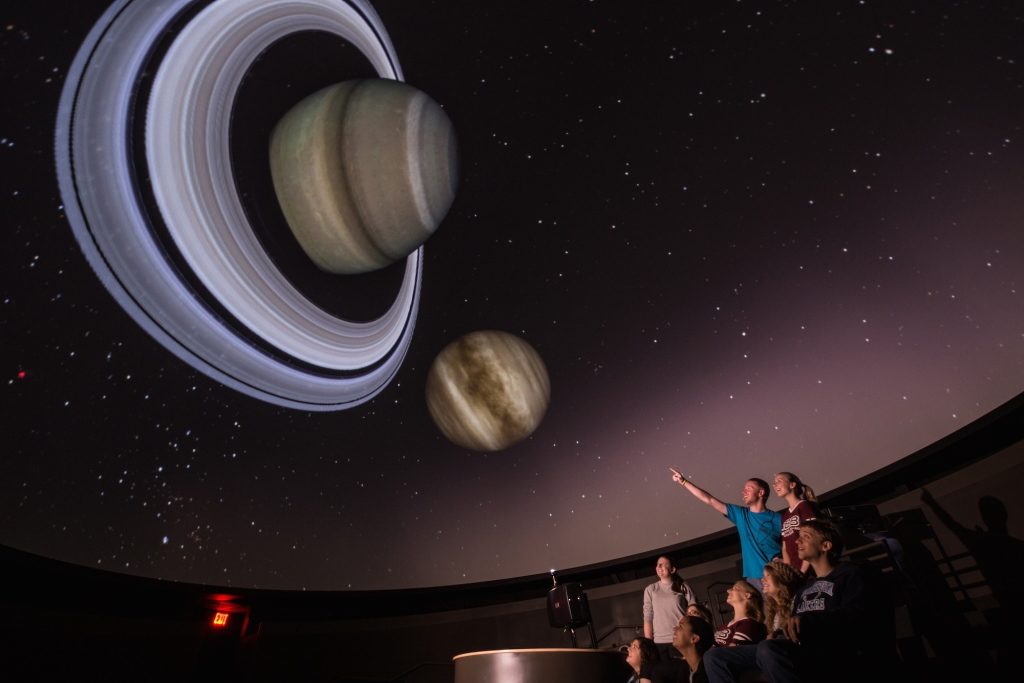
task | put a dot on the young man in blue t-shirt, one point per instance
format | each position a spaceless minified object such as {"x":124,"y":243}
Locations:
{"x":760,"y":529}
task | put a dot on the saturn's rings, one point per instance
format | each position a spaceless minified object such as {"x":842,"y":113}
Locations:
{"x":308,"y":359}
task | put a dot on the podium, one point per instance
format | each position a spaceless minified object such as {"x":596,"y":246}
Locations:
{"x":542,"y":665}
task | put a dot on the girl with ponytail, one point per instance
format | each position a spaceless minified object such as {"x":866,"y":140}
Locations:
{"x":802,"y":506}
{"x":665,"y":602}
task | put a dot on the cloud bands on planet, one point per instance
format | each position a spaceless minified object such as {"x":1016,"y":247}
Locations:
{"x":245,"y":325}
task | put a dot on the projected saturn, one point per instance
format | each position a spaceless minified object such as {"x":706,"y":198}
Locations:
{"x":364,"y":172}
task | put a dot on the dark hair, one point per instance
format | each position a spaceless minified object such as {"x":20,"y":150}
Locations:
{"x":705,"y":613}
{"x":828,"y":532}
{"x":648,"y":651}
{"x":677,"y":581}
{"x":763,"y":485}
{"x":802,"y":490}
{"x":704,"y":632}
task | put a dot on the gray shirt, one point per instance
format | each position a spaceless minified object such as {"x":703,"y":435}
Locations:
{"x":663,"y":608}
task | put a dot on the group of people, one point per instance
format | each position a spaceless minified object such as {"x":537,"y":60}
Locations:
{"x":798,"y":612}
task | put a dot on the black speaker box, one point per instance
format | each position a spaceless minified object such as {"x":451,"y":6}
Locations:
{"x":567,"y":606}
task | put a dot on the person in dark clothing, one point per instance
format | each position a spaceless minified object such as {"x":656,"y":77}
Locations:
{"x":641,"y":656}
{"x":692,"y":637}
{"x":700,"y":611}
{"x":841,"y":615}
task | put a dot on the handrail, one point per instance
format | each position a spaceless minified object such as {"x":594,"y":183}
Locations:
{"x":636,"y":630}
{"x":421,"y":665}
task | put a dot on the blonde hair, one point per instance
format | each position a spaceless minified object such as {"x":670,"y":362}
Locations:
{"x":802,"y":490}
{"x":779,"y":605}
{"x":755,"y":603}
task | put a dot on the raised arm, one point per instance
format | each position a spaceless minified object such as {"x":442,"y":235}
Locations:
{"x":698,"y":493}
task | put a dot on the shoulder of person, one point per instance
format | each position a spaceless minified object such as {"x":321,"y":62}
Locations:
{"x":670,"y":671}
{"x":846,"y":576}
{"x":865,"y":573}
{"x":845,"y":569}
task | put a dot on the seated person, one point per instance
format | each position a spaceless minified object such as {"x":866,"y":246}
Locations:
{"x":641,"y":656}
{"x":841,"y":615}
{"x":781,"y":584}
{"x":700,"y":611}
{"x":692,"y":637}
{"x":746,"y":627}
{"x":840,"y":618}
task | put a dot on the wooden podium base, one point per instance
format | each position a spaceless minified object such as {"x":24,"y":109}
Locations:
{"x":543,"y":665}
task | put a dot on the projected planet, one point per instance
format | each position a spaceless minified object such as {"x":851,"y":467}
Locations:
{"x":364,"y":172}
{"x":156,"y":211}
{"x":488,"y":390}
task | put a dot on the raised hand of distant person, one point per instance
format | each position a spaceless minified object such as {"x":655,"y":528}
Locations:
{"x":698,"y":493}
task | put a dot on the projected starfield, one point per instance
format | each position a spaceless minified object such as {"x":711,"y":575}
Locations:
{"x":729,"y":238}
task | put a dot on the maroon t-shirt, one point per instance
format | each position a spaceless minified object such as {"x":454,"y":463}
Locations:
{"x":791,"y":528}
{"x":741,"y":632}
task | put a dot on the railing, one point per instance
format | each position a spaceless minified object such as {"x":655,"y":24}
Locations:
{"x":637,"y":630}
{"x":720,"y":610}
